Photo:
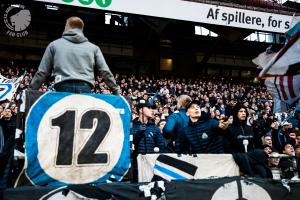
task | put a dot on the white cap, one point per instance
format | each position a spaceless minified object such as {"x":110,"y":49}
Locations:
{"x":286,"y":123}
{"x":274,"y":155}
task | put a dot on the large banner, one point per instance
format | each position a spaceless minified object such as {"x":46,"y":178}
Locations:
{"x":210,"y":189}
{"x":76,"y":138}
{"x":231,"y":188}
{"x":184,"y":167}
{"x":191,"y":11}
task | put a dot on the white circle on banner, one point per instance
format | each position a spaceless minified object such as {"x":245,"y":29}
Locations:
{"x":249,"y":191}
{"x":48,"y":140}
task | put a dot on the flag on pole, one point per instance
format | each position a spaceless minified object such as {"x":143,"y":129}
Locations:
{"x":282,"y":69}
{"x":8,"y":87}
{"x":280,"y":63}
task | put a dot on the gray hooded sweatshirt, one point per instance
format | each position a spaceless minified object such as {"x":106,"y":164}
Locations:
{"x":73,"y":57}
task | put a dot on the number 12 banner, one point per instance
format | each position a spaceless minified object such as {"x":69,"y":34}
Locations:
{"x":77,"y":139}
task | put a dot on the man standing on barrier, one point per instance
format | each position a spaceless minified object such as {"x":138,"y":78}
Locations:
{"x":146,"y":136}
{"x":72,"y":60}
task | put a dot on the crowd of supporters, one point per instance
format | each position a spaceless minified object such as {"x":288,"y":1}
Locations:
{"x":192,"y":115}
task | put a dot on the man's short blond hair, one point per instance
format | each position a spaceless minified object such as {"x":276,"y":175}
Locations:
{"x":184,"y":101}
{"x":75,"y":22}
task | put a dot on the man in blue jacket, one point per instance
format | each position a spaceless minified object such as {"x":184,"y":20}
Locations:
{"x":176,"y":122}
{"x":72,"y":60}
{"x":146,"y":136}
{"x":200,"y":136}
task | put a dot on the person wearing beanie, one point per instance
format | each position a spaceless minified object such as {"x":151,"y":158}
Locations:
{"x":239,"y":136}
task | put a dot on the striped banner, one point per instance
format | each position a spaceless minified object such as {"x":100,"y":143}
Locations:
{"x":171,"y":168}
{"x":185,"y":167}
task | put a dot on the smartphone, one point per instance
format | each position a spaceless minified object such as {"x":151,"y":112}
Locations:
{"x":225,"y":119}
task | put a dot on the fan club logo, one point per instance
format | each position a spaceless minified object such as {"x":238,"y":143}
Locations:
{"x":17,"y":19}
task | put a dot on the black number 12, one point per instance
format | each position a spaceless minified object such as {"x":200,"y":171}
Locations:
{"x":66,"y":123}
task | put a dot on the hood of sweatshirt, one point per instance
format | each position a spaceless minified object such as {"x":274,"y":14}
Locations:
{"x":236,"y":109}
{"x":74,"y":35}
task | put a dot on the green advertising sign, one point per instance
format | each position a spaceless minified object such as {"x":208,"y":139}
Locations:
{"x":100,"y":3}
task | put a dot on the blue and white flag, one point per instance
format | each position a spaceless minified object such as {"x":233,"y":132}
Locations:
{"x":8,"y":87}
{"x":171,"y":168}
{"x":185,"y":167}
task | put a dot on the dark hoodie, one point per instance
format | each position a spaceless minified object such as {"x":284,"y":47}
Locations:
{"x":237,"y":132}
{"x":73,"y":57}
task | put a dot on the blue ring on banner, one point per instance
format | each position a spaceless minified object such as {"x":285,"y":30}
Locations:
{"x":9,"y":87}
{"x":34,"y":170}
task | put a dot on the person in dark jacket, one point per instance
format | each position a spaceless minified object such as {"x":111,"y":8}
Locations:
{"x":8,"y":125}
{"x":176,"y":121}
{"x":288,"y":164}
{"x":200,"y":135}
{"x":230,"y":107}
{"x":280,"y":135}
{"x":239,"y":136}
{"x":147,"y":137}
{"x":73,"y":59}
{"x":253,"y":163}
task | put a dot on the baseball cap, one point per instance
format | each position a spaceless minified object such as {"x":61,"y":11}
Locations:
{"x":286,"y":123}
{"x":274,"y":155}
{"x":192,"y":102}
{"x":143,"y":103}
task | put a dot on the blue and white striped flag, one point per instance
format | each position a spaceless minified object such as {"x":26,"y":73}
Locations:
{"x":171,"y":168}
{"x":8,"y":87}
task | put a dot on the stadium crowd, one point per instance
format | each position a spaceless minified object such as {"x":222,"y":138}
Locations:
{"x":190,"y":115}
